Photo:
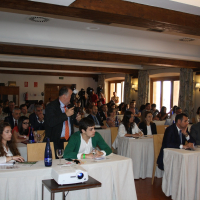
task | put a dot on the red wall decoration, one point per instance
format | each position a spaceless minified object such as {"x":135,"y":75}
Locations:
{"x":25,"y":84}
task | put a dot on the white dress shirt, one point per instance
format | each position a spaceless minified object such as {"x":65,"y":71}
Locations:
{"x":187,"y":138}
{"x":8,"y":153}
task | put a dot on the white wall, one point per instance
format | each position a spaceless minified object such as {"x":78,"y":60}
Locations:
{"x":81,"y":82}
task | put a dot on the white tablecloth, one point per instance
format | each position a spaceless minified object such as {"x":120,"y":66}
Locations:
{"x":22,"y":150}
{"x":105,"y":133}
{"x":181,"y":178}
{"x":115,"y":174}
{"x":141,"y":151}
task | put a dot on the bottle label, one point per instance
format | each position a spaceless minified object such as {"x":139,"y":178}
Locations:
{"x":48,"y":160}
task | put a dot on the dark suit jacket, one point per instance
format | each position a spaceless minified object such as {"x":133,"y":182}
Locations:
{"x":54,"y":119}
{"x":171,"y":139}
{"x":34,"y":122}
{"x":102,"y":115}
{"x":9,"y":119}
{"x":195,"y":132}
{"x":143,"y":126}
{"x":98,"y":118}
{"x":7,"y":110}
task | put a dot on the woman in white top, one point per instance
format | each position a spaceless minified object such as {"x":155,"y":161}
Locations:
{"x":127,"y":128}
{"x":8,"y":148}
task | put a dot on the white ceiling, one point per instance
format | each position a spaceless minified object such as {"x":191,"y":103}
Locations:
{"x":17,"y":28}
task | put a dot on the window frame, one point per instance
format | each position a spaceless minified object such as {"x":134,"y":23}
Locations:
{"x":168,"y":78}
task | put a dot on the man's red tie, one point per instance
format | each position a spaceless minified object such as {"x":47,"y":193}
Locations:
{"x":15,"y":122}
{"x":66,"y":128}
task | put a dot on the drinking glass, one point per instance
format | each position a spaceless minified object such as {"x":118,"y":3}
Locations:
{"x":38,"y":137}
{"x":59,"y":153}
{"x":94,"y":153}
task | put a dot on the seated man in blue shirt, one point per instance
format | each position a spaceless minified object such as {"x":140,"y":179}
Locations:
{"x":81,"y":143}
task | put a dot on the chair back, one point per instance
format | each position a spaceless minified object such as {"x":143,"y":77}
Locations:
{"x":157,"y":143}
{"x":65,"y":144}
{"x":161,"y":129}
{"x":35,"y":151}
{"x":114,"y":132}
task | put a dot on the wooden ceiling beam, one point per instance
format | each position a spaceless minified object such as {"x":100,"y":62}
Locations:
{"x":42,"y":51}
{"x":112,"y":11}
{"x":64,"y":67}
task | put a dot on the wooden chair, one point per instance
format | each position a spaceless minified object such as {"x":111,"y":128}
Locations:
{"x":35,"y":151}
{"x":65,"y":144}
{"x":161,"y":129}
{"x":157,"y":142}
{"x":114,"y":132}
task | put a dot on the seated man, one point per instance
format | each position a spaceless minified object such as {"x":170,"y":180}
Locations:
{"x":13,"y":119}
{"x":195,"y":132}
{"x":82,"y":142}
{"x":175,"y":137}
{"x":103,"y":113}
{"x":96,"y":118}
{"x":36,"y":119}
{"x":24,"y":111}
{"x":178,"y":111}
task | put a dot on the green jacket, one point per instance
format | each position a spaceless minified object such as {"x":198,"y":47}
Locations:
{"x":73,"y":146}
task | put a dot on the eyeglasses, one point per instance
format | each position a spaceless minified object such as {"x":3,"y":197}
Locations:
{"x":26,"y":123}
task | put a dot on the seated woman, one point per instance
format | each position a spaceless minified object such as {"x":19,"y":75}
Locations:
{"x":8,"y":148}
{"x":111,"y":119}
{"x":127,"y":128}
{"x":147,"y":126}
{"x":82,"y":143}
{"x":162,"y":115}
{"x":21,"y":132}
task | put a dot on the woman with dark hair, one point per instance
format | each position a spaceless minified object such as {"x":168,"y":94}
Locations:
{"x":162,"y":115}
{"x":147,"y":126}
{"x":21,"y":132}
{"x":111,"y":119}
{"x":197,"y":117}
{"x":123,"y":110}
{"x":127,"y":128}
{"x":8,"y":148}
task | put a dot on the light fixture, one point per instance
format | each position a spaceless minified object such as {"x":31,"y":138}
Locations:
{"x":135,"y":87}
{"x":93,"y":28}
{"x":197,"y":86}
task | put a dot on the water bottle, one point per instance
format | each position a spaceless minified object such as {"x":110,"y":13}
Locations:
{"x":48,"y":154}
{"x":31,"y":136}
{"x":116,"y":122}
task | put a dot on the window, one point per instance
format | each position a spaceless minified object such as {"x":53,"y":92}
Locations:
{"x":165,"y":92}
{"x":118,"y":87}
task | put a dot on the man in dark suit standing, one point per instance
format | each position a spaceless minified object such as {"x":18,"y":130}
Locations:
{"x":195,"y":132}
{"x":13,"y":119}
{"x":59,"y":120}
{"x":175,"y":137}
{"x":95,"y":117}
{"x":36,"y":119}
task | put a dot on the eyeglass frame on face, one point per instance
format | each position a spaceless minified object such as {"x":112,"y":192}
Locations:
{"x":26,"y":123}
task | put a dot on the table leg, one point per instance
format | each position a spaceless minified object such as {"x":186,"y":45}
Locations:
{"x":63,"y":195}
{"x":42,"y":190}
{"x":52,"y":196}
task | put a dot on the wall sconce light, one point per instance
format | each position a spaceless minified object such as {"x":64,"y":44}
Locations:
{"x":197,"y":86}
{"x":135,"y":87}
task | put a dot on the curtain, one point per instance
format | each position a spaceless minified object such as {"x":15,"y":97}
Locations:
{"x":127,"y":89}
{"x":143,"y":87}
{"x":186,"y":91}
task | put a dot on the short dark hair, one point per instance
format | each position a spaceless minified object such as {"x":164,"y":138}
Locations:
{"x":85,"y":123}
{"x":110,"y":110}
{"x":153,"y":105}
{"x":147,"y":104}
{"x":177,"y":108}
{"x":180,"y":116}
{"x":63,"y":90}
{"x":22,"y":105}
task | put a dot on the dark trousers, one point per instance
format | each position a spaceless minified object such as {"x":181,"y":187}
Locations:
{"x":60,"y":145}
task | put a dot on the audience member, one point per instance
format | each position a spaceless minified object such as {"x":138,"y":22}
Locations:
{"x":21,"y":132}
{"x":9,"y":108}
{"x":37,"y":118}
{"x":13,"y":119}
{"x":147,"y":126}
{"x":162,"y":115}
{"x":99,"y":106}
{"x":103,"y":113}
{"x":82,"y":143}
{"x":138,"y":114}
{"x":133,"y":109}
{"x":1,"y":103}
{"x":24,"y":111}
{"x":154,"y":111}
{"x":127,"y":128}
{"x":8,"y":148}
{"x":5,"y":103}
{"x":59,"y":120}
{"x":102,"y":98}
{"x":142,"y":107}
{"x":112,"y":119}
{"x":197,"y":117}
{"x":195,"y":132}
{"x":115,"y":98}
{"x":2,"y":114}
{"x":147,"y":108}
{"x":175,"y":137}
{"x":177,"y":111}
{"x":121,"y":105}
{"x":174,"y":109}
{"x":124,"y":108}
{"x":95,"y":117}
{"x":94,"y":98}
